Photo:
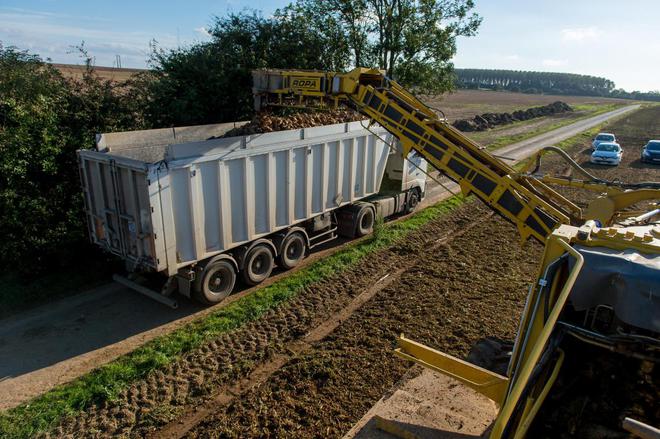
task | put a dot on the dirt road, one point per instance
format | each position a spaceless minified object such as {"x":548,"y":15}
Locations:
{"x":58,"y":342}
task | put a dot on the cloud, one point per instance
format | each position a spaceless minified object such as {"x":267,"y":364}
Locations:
{"x":554,"y":62}
{"x":203,"y":31}
{"x":52,"y":35}
{"x":581,"y":34}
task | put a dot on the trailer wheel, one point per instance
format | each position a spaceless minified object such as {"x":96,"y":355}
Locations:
{"x":413,"y":201}
{"x":258,"y":264}
{"x":292,"y":251}
{"x":365,"y":221}
{"x":217,"y":282}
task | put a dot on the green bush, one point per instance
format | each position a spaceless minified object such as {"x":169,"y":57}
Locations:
{"x":44,"y":119}
{"x":212,"y":82}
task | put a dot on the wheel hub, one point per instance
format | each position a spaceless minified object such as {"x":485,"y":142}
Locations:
{"x":216,"y":282}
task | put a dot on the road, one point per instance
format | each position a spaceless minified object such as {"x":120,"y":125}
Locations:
{"x":58,"y":342}
{"x":518,"y":151}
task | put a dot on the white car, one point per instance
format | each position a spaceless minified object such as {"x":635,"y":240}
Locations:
{"x":607,"y":153}
{"x":602,"y":138}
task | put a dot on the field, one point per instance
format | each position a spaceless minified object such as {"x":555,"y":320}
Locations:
{"x":467,"y":103}
{"x":314,"y":358}
{"x":109,"y":73}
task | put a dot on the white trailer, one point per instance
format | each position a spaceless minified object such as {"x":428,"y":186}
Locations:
{"x":202,"y":210}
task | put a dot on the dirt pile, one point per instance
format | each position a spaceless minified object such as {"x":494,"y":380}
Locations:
{"x":486,"y":121}
{"x":269,"y":122}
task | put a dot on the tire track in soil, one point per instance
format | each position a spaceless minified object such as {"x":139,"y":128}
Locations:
{"x":449,"y":298}
{"x":191,"y":418}
{"x":165,"y":394}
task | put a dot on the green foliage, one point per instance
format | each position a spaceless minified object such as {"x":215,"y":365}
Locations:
{"x":413,"y":40}
{"x":212,"y":82}
{"x":44,"y":119}
{"x":105,"y":383}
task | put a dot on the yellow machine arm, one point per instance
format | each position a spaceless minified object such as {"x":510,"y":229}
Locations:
{"x":518,"y":198}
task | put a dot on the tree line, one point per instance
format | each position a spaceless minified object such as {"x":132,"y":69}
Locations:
{"x":545,"y":83}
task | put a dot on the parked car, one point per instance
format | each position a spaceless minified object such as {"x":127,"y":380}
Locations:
{"x":607,"y":153}
{"x":651,"y":152}
{"x":602,"y":138}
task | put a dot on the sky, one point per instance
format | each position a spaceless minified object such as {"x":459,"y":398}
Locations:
{"x":619,"y":40}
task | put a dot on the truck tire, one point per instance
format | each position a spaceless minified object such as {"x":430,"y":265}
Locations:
{"x":216,"y":282}
{"x":365,"y":221}
{"x":413,"y":201}
{"x":258,"y":264}
{"x":292,"y":251}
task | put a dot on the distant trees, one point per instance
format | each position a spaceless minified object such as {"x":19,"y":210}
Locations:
{"x":534,"y":82}
{"x":636,"y":95}
{"x":546,"y":82}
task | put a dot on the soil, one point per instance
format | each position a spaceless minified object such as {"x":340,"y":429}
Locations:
{"x":445,"y":289}
{"x":465,"y":104}
{"x":452,"y":298}
{"x":164,"y":394}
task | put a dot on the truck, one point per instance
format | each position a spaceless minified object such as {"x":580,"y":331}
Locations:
{"x":200,"y":210}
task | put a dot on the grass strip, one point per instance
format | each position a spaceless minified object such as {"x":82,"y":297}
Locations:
{"x":105,"y":383}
